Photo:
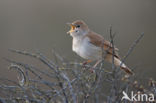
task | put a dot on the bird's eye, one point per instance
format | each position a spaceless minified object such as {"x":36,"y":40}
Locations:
{"x":77,"y":26}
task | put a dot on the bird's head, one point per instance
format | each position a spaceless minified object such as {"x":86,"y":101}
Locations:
{"x":78,"y":28}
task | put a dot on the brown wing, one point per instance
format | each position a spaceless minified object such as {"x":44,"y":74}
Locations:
{"x":99,"y":41}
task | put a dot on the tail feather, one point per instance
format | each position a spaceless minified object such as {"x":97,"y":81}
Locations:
{"x":118,"y":62}
{"x":123,"y":66}
{"x":127,"y":70}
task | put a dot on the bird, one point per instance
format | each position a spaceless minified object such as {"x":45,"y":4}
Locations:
{"x":90,"y":45}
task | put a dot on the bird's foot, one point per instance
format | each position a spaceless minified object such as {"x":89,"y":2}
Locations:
{"x":85,"y":63}
{"x":92,"y":70}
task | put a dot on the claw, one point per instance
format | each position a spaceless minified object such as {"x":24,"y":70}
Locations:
{"x":86,"y":62}
{"x":92,"y":70}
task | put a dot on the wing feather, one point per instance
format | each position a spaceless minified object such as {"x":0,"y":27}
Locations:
{"x":99,"y":41}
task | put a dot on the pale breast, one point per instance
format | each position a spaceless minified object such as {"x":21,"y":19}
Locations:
{"x":85,"y":49}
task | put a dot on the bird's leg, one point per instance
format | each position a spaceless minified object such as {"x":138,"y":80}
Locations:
{"x":92,"y":69}
{"x":86,"y":62}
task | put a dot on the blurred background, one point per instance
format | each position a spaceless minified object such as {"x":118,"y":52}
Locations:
{"x":41,"y":25}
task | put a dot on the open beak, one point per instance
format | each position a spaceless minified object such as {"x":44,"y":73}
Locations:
{"x":72,"y":27}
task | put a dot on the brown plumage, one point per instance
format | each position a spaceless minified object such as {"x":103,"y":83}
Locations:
{"x":99,"y":41}
{"x":83,"y":37}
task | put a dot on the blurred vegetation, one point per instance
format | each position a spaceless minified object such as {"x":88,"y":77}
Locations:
{"x":64,"y":81}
